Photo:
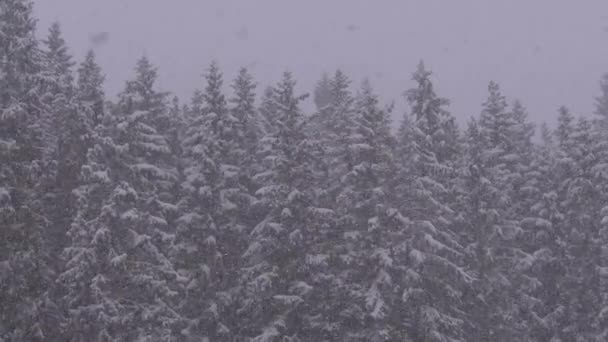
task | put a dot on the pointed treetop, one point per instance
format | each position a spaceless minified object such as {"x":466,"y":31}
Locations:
{"x":339,"y":88}
{"x":496,"y":123}
{"x":214,"y":98}
{"x":57,"y":47}
{"x":90,"y":87}
{"x":140,"y":92}
{"x":565,"y":126}
{"x":366,"y":92}
{"x":426,"y":106}
{"x":601,"y":102}
{"x":496,"y":102}
{"x":244,"y":96}
{"x":90,"y":77}
{"x":285,"y":90}
{"x":322,"y":92}
{"x":146,"y":73}
{"x":421,"y":73}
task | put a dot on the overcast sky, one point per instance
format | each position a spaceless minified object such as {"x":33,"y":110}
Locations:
{"x":544,"y":52}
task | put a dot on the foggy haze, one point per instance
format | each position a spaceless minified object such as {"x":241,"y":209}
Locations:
{"x":252,"y":212}
{"x":545,"y":52}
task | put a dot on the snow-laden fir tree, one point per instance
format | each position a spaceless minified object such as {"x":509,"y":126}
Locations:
{"x":248,"y":125}
{"x":542,"y":270}
{"x":89,"y":89}
{"x":58,"y":88}
{"x":600,"y":241}
{"x":565,"y":128}
{"x":67,"y":131}
{"x":26,"y":312}
{"x":218,"y":147}
{"x":372,"y":229}
{"x":580,"y":203}
{"x":490,"y":170}
{"x":322,"y":92}
{"x":119,"y":281}
{"x":333,"y":126}
{"x":267,"y":110}
{"x":87,"y":203}
{"x":436,"y":276}
{"x":275,"y":270}
{"x":601,"y":102}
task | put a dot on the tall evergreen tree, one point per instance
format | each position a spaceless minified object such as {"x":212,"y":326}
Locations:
{"x":581,"y":205}
{"x":215,"y":208}
{"x":277,"y":281}
{"x":437,"y":278}
{"x":67,"y":131}
{"x":334,"y":127}
{"x":249,"y":128}
{"x":322,"y":92}
{"x":58,"y":88}
{"x":491,"y":170}
{"x":24,"y":270}
{"x":372,"y":229}
{"x":89,"y":89}
{"x":119,"y":281}
{"x":601,"y":102}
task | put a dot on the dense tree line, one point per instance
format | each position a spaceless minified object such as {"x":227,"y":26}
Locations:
{"x":236,"y":219}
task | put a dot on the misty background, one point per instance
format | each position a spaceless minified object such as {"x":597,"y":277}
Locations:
{"x":543,"y":52}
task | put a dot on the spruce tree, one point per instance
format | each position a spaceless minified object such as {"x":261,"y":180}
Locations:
{"x":249,"y":128}
{"x":26,"y":312}
{"x":490,"y":170}
{"x":322,"y":92}
{"x":67,"y":130}
{"x":437,"y":278}
{"x":601,"y":102}
{"x":372,"y":229}
{"x":581,"y":205}
{"x":333,"y":126}
{"x":277,"y":279}
{"x":215,"y":206}
{"x":119,"y":281}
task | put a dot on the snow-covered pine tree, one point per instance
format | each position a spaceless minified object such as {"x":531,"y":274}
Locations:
{"x":373,"y":231}
{"x":490,"y":170}
{"x":600,"y":241}
{"x":80,"y":264}
{"x":267,"y":110}
{"x":215,"y":206}
{"x":333,"y":127}
{"x":436,"y":276}
{"x":580,"y":203}
{"x":58,"y":88}
{"x":26,"y":312}
{"x":480,"y":223}
{"x":248,"y":126}
{"x":601,"y":102}
{"x":67,"y":129}
{"x":196,"y":256}
{"x":322,"y":92}
{"x":173,"y":127}
{"x":542,"y":270}
{"x":565,"y":128}
{"x":275,"y":270}
{"x":89,"y":89}
{"x":119,"y":282}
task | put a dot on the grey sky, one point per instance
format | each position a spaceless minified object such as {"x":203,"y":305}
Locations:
{"x":544,"y":52}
